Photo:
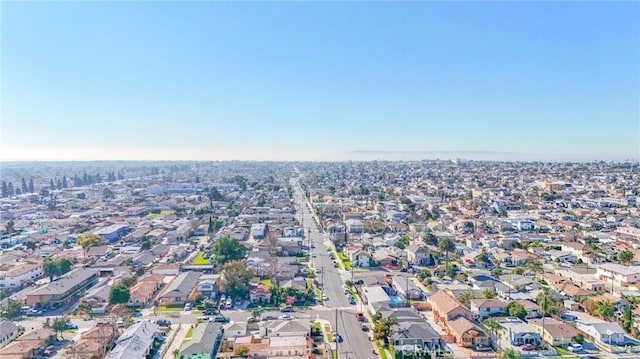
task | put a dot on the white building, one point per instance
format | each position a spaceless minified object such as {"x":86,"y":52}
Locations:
{"x":620,"y":274}
{"x":16,"y":276}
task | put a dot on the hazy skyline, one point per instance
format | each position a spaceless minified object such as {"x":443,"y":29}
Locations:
{"x":319,"y":80}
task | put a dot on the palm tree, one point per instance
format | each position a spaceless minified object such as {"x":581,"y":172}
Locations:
{"x":446,"y":245}
{"x":547,"y":303}
{"x":604,"y":309}
{"x":494,"y":327}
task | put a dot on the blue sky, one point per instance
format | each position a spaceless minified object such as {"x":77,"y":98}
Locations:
{"x":317,"y":80}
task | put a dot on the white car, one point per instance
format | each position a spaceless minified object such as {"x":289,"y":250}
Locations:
{"x":325,"y":297}
{"x":575,"y":348}
{"x":286,"y":317}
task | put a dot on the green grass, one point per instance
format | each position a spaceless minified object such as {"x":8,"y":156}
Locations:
{"x":338,"y":258}
{"x":267,"y":282}
{"x":162,"y":213}
{"x":353,"y":293}
{"x":164,"y":308}
{"x":381,"y":351}
{"x":334,"y":354}
{"x":566,"y":354}
{"x":198,"y":259}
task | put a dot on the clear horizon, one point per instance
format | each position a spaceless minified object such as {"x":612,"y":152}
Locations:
{"x":320,"y":81}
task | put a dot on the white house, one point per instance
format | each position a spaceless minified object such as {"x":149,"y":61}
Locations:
{"x":360,"y":258}
{"x":484,"y":308}
{"x":621,"y":275}
{"x":604,"y":332}
{"x":19,"y":274}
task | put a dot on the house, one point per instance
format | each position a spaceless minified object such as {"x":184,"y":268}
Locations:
{"x":418,"y":254}
{"x":516,"y":332}
{"x":8,"y":331}
{"x":234,"y":330}
{"x":258,"y":230}
{"x":360,"y":258}
{"x":208,"y":285}
{"x":602,"y":331}
{"x":484,"y":308}
{"x":532,"y":309}
{"x":113,"y":232}
{"x":62,"y":289}
{"x":136,"y":342}
{"x":620,"y":274}
{"x":166,"y":269}
{"x":416,"y":333}
{"x":205,"y":342}
{"x":142,"y":293}
{"x":180,"y":288}
{"x":407,"y":288}
{"x":467,"y":333}
{"x":93,"y":343}
{"x":376,"y":297}
{"x":20,"y":274}
{"x":384,"y":257}
{"x":446,"y":308}
{"x":258,"y":347}
{"x":260,"y":294}
{"x":354,"y":226}
{"x":555,"y":332}
{"x":285,"y":328}
{"x":28,"y":345}
{"x":289,"y":347}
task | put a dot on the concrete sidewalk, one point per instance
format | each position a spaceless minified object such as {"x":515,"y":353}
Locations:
{"x":176,"y":343}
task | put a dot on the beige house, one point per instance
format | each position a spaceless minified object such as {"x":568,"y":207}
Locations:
{"x":447,"y":308}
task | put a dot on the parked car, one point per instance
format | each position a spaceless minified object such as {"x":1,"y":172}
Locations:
{"x":269,"y":317}
{"x":163,"y":322}
{"x":287,"y":309}
{"x":287,"y":317}
{"x":360,"y":316}
{"x":50,"y":350}
{"x":221,"y":319}
{"x":359,"y":282}
{"x":528,"y":347}
{"x":210,"y":311}
{"x":365,"y":328}
{"x":252,"y":319}
{"x":575,"y":348}
{"x":187,"y":307}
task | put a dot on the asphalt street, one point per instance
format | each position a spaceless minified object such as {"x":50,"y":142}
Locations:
{"x":356,"y":344}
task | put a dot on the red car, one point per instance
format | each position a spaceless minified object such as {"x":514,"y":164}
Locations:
{"x":528,"y":347}
{"x":360,"y":316}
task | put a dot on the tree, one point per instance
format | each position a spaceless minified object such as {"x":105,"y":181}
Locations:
{"x":241,"y":350}
{"x":535,"y":266}
{"x":625,"y":257}
{"x":627,"y":319}
{"x":10,"y":227}
{"x":493,"y":326}
{"x":145,"y":243}
{"x":509,"y":353}
{"x":382,"y":329}
{"x":547,"y":303}
{"x":516,"y":309}
{"x":56,"y":267}
{"x":235,"y":278}
{"x":119,"y":293}
{"x":446,"y":245}
{"x":107,"y":193}
{"x":59,"y":325}
{"x":11,"y":309}
{"x":466,"y":297}
{"x":489,"y":293}
{"x":604,"y":309}
{"x":227,"y":249}
{"x":31,"y":188}
{"x":88,"y":241}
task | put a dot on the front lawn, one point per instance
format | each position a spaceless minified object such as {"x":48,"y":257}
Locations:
{"x":162,"y":213}
{"x":164,"y":308}
{"x":267,"y":282}
{"x":198,"y":259}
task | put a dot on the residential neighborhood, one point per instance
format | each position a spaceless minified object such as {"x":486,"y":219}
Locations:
{"x":451,"y":259}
